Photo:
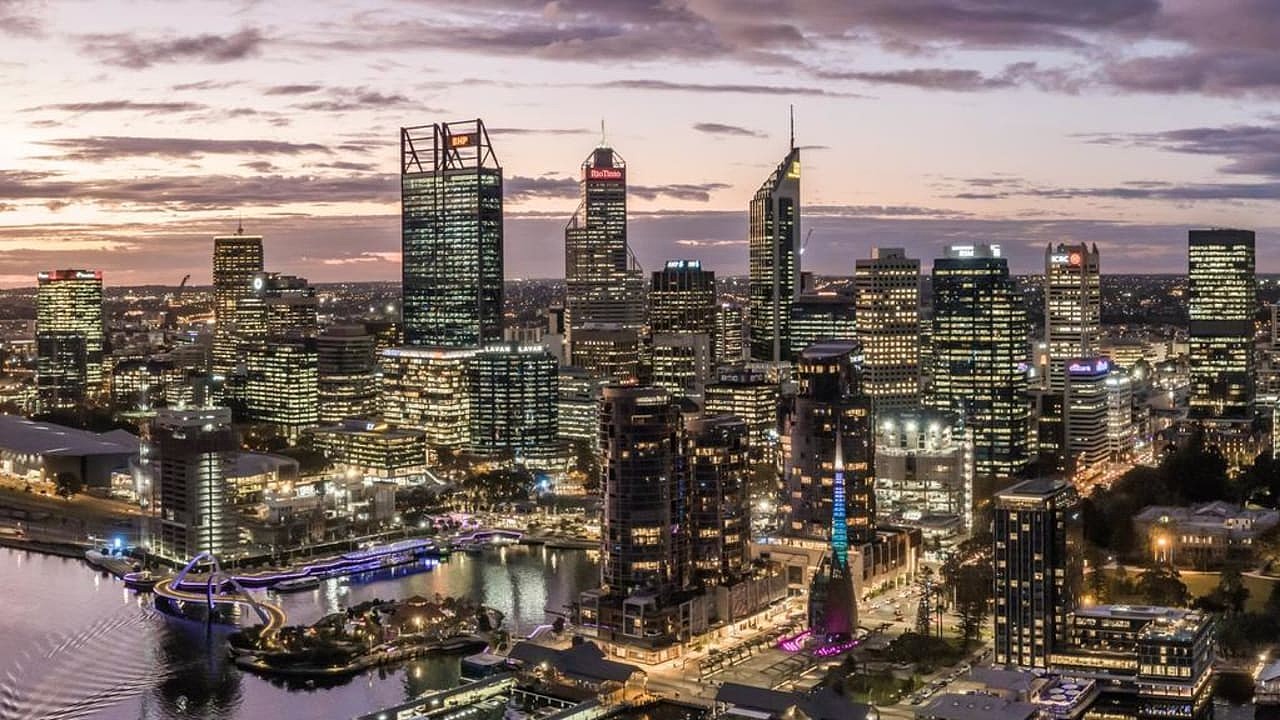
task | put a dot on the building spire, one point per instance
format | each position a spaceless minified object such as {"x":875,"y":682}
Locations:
{"x":793,"y":127}
{"x":603,"y":141}
{"x":240,"y":225}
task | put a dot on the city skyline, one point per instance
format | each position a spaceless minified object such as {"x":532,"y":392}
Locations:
{"x":144,"y":131}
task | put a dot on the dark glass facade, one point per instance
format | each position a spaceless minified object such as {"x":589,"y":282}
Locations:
{"x":1037,"y":572}
{"x":980,"y":361}
{"x":451,"y":235}
{"x":774,"y":260}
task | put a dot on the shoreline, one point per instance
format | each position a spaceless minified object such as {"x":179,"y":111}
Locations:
{"x":248,"y":660}
{"x":45,"y":547}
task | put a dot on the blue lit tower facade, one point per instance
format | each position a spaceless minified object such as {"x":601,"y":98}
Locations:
{"x":833,"y":607}
{"x":774,"y":260}
{"x":451,"y":235}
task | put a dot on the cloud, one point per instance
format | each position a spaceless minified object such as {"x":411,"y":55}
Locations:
{"x":150,"y":108}
{"x":1251,"y":149}
{"x":720,"y":88}
{"x":206,"y":85}
{"x":520,"y":188}
{"x":346,"y":99}
{"x":536,"y":131}
{"x":16,"y":21}
{"x":134,"y":52}
{"x":700,"y":192}
{"x":292,"y":89}
{"x":712,"y":128}
{"x":199,"y":192}
{"x":112,"y":147}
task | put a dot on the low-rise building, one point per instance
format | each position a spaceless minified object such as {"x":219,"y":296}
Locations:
{"x":374,"y":450}
{"x":43,"y":451}
{"x":1203,"y":536}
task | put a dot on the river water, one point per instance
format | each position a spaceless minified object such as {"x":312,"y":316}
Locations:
{"x":75,"y":643}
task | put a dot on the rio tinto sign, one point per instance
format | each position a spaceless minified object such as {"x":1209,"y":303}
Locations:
{"x":606,"y":173}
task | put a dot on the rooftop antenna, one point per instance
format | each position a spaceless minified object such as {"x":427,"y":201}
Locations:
{"x":793,"y":127}
{"x":603,"y":141}
{"x":240,"y":225}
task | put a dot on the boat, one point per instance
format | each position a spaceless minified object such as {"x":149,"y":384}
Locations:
{"x":297,"y":584}
{"x":141,"y":580}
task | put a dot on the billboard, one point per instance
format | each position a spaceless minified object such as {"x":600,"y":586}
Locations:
{"x":605,"y":173}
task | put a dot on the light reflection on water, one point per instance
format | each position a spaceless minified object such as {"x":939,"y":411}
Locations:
{"x":75,"y":643}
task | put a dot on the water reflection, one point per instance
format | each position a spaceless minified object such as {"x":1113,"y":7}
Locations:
{"x":76,"y":644}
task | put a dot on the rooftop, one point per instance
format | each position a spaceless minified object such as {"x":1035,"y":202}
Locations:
{"x":952,"y":706}
{"x":1041,"y":487}
{"x":20,"y":435}
{"x":585,"y":661}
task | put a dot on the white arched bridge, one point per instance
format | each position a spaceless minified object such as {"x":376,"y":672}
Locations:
{"x":220,"y":588}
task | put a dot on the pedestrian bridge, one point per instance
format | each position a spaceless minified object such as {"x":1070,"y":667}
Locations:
{"x":219,"y":589}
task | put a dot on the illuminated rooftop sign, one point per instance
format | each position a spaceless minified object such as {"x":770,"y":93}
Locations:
{"x":606,"y":173}
{"x":1095,"y":366}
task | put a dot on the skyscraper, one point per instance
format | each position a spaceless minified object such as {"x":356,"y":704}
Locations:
{"x":1222,"y":299}
{"x":1072,"y":308}
{"x":1037,"y":569}
{"x":818,"y":317}
{"x":604,"y":287}
{"x":1086,"y":408}
{"x":774,"y":261}
{"x":887,"y":301}
{"x":720,"y":521}
{"x":924,"y":468}
{"x":980,"y":359}
{"x":70,"y":337}
{"x":346,"y":367}
{"x":645,"y":531}
{"x":191,"y":456}
{"x":276,"y":325}
{"x":830,"y":410}
{"x":682,"y":299}
{"x":730,"y":334}
{"x":451,"y":235}
{"x":236,"y":259}
{"x":747,"y":394}
{"x":514,"y":394}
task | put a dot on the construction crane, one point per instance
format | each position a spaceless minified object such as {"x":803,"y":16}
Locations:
{"x":805,"y":244}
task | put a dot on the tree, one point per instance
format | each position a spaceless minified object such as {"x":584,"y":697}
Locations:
{"x":973,"y":613}
{"x":1232,"y":590}
{"x":925,"y":610}
{"x":1162,"y":585}
{"x":68,"y":484}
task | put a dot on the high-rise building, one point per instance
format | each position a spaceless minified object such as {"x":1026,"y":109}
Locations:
{"x":924,"y":469}
{"x":513,"y":402}
{"x":191,"y":455}
{"x":608,"y":352}
{"x":1122,"y":432}
{"x":347,"y":371}
{"x":70,"y":337}
{"x":429,"y":389}
{"x":645,"y":527}
{"x":980,"y":359}
{"x":887,"y":302}
{"x":451,"y":235}
{"x":682,"y":299}
{"x":493,"y":401}
{"x":604,"y":287}
{"x":830,"y":410}
{"x":1037,"y":569}
{"x":578,"y":405}
{"x":373,"y":450}
{"x":277,"y":381}
{"x":1222,"y":300}
{"x":819,"y":317}
{"x":747,"y":394}
{"x":1086,"y":413}
{"x":236,"y":260}
{"x":774,"y":261}
{"x":1072,"y":308}
{"x":720,"y":521}
{"x":681,"y":363}
{"x":731,"y":334}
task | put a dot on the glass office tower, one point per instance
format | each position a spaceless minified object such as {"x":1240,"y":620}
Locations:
{"x":451,"y":235}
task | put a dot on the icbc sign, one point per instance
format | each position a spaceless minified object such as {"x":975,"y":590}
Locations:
{"x":594,"y":173}
{"x":460,"y":141}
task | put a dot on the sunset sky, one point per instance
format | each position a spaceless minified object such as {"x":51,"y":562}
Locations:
{"x":135,"y":131}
